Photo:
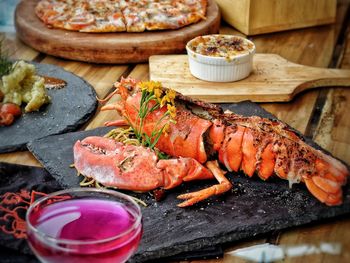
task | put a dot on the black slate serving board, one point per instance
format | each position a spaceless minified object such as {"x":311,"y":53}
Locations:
{"x":70,"y":107}
{"x":252,"y":207}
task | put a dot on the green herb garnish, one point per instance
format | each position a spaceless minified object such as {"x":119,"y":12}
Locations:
{"x":153,"y":98}
{"x":5,"y":64}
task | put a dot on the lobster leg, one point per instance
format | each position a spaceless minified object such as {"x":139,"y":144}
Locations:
{"x":118,"y":107}
{"x":223,"y":186}
{"x":116,"y":123}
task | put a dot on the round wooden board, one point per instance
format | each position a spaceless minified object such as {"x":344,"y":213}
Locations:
{"x":108,"y":47}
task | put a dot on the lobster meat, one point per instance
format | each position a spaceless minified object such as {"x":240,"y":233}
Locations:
{"x":254,"y":144}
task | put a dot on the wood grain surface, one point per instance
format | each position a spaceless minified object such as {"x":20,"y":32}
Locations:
{"x":273,"y":79}
{"x":265,"y":16}
{"x":108,"y":47}
{"x":321,"y":114}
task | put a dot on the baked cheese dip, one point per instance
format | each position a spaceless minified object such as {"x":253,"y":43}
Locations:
{"x":221,"y":45}
{"x":220,"y":58}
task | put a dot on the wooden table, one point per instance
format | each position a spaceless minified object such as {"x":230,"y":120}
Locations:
{"x":322,"y":115}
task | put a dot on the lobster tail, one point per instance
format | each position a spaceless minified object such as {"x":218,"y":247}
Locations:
{"x":254,"y":150}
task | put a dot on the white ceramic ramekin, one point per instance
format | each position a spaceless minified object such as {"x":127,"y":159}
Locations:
{"x":221,"y":69}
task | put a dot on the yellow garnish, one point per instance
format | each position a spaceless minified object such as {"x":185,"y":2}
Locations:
{"x":166,"y":129}
{"x":158,"y":92}
{"x":171,"y":94}
{"x":168,"y":98}
{"x":171,"y":110}
{"x":143,"y":85}
{"x":150,"y":86}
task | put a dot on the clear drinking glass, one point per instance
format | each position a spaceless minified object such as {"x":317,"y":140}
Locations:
{"x":84,"y":225}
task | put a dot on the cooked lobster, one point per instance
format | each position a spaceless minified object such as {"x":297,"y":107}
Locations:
{"x":203,"y":131}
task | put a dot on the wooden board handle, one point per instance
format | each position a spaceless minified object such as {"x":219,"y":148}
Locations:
{"x":273,"y":79}
{"x":314,"y":77}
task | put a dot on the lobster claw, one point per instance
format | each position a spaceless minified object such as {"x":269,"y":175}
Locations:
{"x":137,"y":168}
{"x":117,"y":165}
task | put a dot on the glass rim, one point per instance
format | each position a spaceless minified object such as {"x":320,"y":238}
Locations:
{"x":52,"y":239}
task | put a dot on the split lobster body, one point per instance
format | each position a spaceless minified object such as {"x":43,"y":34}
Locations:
{"x":251,"y":144}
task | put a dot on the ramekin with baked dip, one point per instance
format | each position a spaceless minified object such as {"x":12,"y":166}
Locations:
{"x":220,"y":58}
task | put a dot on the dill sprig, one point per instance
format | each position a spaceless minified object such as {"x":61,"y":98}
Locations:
{"x":153,"y":98}
{"x":5,"y":63}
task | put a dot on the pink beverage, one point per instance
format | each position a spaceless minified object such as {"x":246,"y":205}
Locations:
{"x":84,"y":230}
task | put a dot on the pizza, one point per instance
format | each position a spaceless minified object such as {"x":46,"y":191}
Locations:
{"x":120,"y":15}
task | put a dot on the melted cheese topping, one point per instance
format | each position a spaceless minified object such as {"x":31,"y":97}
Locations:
{"x":221,"y":45}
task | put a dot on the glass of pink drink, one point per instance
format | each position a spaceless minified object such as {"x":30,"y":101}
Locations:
{"x":84,"y":225}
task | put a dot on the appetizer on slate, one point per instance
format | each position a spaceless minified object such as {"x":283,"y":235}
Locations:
{"x":195,"y":132}
{"x":22,"y":85}
{"x":19,"y":84}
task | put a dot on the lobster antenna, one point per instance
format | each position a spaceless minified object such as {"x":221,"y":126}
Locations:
{"x":116,"y":85}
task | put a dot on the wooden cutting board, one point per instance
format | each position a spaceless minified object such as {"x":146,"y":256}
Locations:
{"x":108,"y":47}
{"x":273,"y":79}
